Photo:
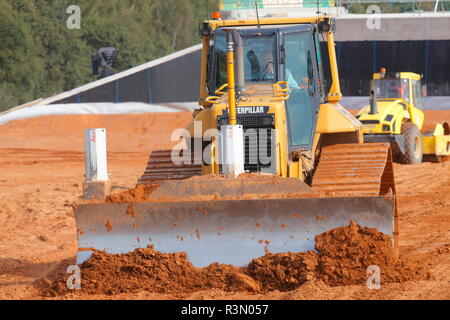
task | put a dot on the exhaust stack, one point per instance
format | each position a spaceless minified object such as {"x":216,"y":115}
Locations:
{"x":231,"y":139}
{"x":373,"y":103}
{"x":239,"y":57}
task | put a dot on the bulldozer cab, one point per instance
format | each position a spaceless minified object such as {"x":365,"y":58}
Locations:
{"x":400,"y":85}
{"x":395,"y":114}
{"x":288,"y":54}
{"x":275,"y":92}
{"x":392,"y":88}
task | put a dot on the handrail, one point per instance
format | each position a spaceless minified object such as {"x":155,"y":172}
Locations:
{"x":219,"y":91}
{"x":281,"y":83}
{"x":281,"y":93}
{"x":213,"y":99}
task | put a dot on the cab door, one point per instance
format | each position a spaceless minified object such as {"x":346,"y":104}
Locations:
{"x":417,"y":115}
{"x":299,"y":68}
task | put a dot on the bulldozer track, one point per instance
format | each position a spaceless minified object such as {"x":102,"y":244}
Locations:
{"x":356,"y":169}
{"x":346,"y":169}
{"x":161,"y":168}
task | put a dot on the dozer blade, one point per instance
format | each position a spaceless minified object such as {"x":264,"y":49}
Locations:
{"x":225,"y":231}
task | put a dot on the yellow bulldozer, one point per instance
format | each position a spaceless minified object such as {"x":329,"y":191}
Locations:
{"x":395,"y":115}
{"x":298,"y":165}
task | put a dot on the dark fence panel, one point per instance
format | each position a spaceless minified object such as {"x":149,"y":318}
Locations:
{"x":72,"y":99}
{"x":358,"y":60}
{"x":178,"y":80}
{"x":135,"y":88}
{"x":438,"y":68}
{"x":104,"y":93}
{"x":173,"y":81}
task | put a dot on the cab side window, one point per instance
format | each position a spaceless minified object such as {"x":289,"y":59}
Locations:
{"x":304,"y":98}
{"x":220,"y":60}
{"x":417,"y":94}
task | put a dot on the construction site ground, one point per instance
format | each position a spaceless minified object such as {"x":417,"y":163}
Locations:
{"x":41,"y":174}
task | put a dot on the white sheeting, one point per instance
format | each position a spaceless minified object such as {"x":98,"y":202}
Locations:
{"x":430,"y":103}
{"x":355,"y":103}
{"x":92,"y":108}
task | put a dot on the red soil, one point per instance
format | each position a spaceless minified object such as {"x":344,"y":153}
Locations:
{"x":41,"y":171}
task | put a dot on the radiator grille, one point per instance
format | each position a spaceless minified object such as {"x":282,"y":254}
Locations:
{"x":251,"y":121}
{"x":259,"y":141}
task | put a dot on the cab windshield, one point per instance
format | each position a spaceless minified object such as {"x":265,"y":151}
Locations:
{"x":259,"y":60}
{"x":392,"y":89}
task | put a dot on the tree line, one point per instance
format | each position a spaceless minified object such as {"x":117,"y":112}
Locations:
{"x":40,"y":56}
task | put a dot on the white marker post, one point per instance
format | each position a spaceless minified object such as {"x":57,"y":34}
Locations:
{"x":231,"y":150}
{"x":96,"y":186}
{"x":231,"y":141}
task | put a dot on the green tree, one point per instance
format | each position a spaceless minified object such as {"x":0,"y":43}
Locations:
{"x":40,"y":56}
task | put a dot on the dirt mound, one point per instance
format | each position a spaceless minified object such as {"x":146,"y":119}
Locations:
{"x":125,"y":132}
{"x":138,"y":194}
{"x":55,"y":283}
{"x":284,"y":271}
{"x":247,"y":186}
{"x":215,"y":187}
{"x":344,"y":254}
{"x":148,"y":270}
{"x":310,"y":290}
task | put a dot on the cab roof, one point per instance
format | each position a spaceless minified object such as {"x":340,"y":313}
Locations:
{"x":214,"y":24}
{"x":399,"y":75}
{"x":267,"y":29}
